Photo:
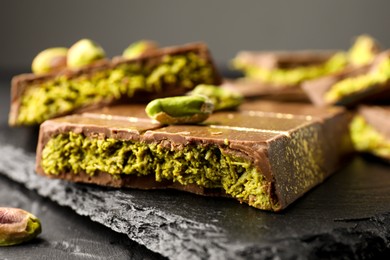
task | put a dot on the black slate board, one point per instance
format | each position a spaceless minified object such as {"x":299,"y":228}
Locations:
{"x":65,"y":234}
{"x":348,"y":216}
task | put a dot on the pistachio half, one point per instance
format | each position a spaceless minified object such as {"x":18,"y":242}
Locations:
{"x":180,"y":110}
{"x":363,"y":51}
{"x":136,"y":49}
{"x":84,"y":52}
{"x":17,"y":226}
{"x":222,"y":98}
{"x":49,"y":60}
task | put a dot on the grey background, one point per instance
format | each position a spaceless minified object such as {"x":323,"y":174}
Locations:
{"x":27,"y":27}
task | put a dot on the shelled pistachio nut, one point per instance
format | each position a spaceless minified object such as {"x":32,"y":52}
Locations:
{"x":136,"y":49}
{"x":84,"y":52}
{"x":49,"y":60}
{"x":223,"y":99}
{"x":363,"y":51}
{"x":17,"y":226}
{"x":180,"y":109}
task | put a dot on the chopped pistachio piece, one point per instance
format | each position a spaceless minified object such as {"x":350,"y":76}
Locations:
{"x":49,"y":60}
{"x":17,"y":226}
{"x":84,"y":52}
{"x":223,"y":99}
{"x":136,"y":49}
{"x":180,"y":110}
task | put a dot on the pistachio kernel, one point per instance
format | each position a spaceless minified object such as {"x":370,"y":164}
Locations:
{"x":180,"y":110}
{"x":49,"y":60}
{"x":136,"y":49}
{"x":363,"y":51}
{"x":84,"y":52}
{"x":222,"y":98}
{"x":17,"y":226}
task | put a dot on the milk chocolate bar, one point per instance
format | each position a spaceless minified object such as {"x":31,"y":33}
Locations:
{"x":164,"y":72}
{"x":283,"y":59}
{"x":370,"y":131}
{"x":265,"y":154}
{"x":286,"y":69}
{"x":363,"y":84}
{"x":250,"y":89}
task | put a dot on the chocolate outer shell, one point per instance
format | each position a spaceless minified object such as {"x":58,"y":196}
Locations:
{"x":251,"y":88}
{"x":283,"y":59}
{"x":294,"y":146}
{"x":21,"y":82}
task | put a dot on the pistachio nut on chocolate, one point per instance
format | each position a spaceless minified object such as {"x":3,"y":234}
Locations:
{"x":139,"y":48}
{"x":180,"y":110}
{"x":49,"y":60}
{"x":83,"y":53}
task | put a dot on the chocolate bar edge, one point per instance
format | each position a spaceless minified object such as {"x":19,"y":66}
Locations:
{"x":328,"y":127}
{"x":20,"y":83}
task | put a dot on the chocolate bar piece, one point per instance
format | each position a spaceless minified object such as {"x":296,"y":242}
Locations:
{"x":370,"y":131}
{"x":291,"y":68}
{"x":363,"y":84}
{"x":266,"y":154}
{"x":288,"y":69}
{"x":164,"y":72}
{"x":251,"y":88}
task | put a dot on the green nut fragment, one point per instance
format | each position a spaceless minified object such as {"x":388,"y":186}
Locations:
{"x":223,"y":99}
{"x":363,"y":51}
{"x":49,"y":60}
{"x":17,"y":226}
{"x":84,"y":52}
{"x":180,"y":110}
{"x":136,"y":49}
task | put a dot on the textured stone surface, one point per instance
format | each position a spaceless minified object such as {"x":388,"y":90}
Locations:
{"x":346,"y":216}
{"x":65,"y":235}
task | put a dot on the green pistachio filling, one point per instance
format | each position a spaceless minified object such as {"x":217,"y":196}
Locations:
{"x":205,"y":165}
{"x":295,"y":75}
{"x":366,"y":139}
{"x":360,"y":83}
{"x":63,"y":95}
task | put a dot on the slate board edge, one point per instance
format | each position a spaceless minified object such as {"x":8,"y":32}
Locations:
{"x":368,"y":238}
{"x":165,"y":239}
